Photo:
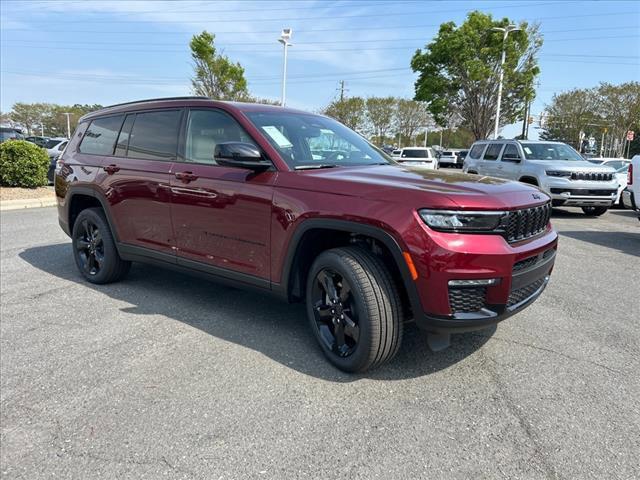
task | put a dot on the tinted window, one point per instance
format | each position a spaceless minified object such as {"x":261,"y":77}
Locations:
{"x":476,"y":151}
{"x":154,"y":135}
{"x":62,"y":145}
{"x":123,"y":138}
{"x":550,"y":151}
{"x":101,"y":136}
{"x":207,"y":128}
{"x":493,"y":150}
{"x":415,"y":154}
{"x":511,"y":150}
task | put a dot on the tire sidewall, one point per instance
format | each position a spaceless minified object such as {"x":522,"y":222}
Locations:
{"x":107,"y":243}
{"x":360,"y":357}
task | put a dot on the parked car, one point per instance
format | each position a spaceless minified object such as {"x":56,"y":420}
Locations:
{"x":554,"y":167}
{"x":416,"y":156}
{"x":614,"y":163}
{"x":232,"y":192}
{"x":40,"y":141}
{"x":462,"y":154}
{"x":622,"y":174}
{"x":450,"y":158}
{"x":9,"y":133}
{"x":55,"y":146}
{"x":631,"y":193}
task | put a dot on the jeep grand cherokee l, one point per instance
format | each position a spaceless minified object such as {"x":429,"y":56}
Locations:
{"x":555,"y":167}
{"x":302,"y":207}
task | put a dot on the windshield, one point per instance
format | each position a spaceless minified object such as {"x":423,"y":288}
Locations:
{"x":310,"y":141}
{"x":8,"y":134}
{"x":550,"y":151}
{"x":415,"y":154}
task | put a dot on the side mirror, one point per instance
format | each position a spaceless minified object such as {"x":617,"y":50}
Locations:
{"x":511,"y":158}
{"x":241,"y":155}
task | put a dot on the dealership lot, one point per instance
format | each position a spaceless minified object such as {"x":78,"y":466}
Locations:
{"x":167,"y":375}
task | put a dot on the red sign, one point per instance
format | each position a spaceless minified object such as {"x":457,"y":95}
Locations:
{"x":630,"y":135}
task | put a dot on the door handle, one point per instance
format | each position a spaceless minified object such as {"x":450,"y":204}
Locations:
{"x":186,"y":176}
{"x":111,"y":169}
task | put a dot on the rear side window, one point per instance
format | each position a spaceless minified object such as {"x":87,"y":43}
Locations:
{"x":123,"y":138}
{"x":493,"y":150}
{"x":476,"y":151}
{"x":154,"y":135}
{"x":100,"y":137}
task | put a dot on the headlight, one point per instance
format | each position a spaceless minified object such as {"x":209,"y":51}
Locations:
{"x":460,"y":220}
{"x":557,"y":173}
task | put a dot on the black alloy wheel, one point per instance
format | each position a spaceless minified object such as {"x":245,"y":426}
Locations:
{"x":335,"y":313}
{"x":90,"y":247}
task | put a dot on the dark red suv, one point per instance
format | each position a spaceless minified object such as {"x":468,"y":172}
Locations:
{"x":300,"y":206}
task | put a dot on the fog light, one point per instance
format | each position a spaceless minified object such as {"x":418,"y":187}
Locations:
{"x":482,"y":282}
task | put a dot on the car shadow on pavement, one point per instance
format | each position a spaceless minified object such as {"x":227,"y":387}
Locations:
{"x":625,"y":242}
{"x":253,"y":320}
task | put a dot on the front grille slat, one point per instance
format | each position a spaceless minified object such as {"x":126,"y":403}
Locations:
{"x":526,"y":223}
{"x":592,"y":176}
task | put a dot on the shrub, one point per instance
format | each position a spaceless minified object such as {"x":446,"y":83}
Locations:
{"x":23,"y":164}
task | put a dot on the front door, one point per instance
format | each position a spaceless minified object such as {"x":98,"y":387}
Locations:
{"x":488,"y":165}
{"x":221,"y":215}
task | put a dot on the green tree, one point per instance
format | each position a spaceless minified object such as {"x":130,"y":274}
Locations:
{"x":349,"y":111}
{"x":381,"y":115}
{"x":619,"y":105}
{"x":459,"y":71}
{"x":571,"y":113}
{"x":30,"y":115}
{"x":215,"y":76}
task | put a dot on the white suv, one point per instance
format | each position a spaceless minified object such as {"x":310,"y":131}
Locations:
{"x":555,"y":167}
{"x":416,"y":156}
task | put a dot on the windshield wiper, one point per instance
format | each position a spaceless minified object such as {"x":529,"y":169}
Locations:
{"x":310,"y":167}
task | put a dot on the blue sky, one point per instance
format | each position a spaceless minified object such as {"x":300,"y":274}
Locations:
{"x":113,"y":51}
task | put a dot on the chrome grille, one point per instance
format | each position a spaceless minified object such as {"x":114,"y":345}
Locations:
{"x":528,"y":222}
{"x":467,"y":299}
{"x":521,"y":294}
{"x":592,"y":176}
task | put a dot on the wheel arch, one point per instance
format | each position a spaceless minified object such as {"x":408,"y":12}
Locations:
{"x":82,"y":197}
{"x":299,"y":256}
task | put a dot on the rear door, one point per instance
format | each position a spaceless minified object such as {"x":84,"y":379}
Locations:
{"x":221,"y":215}
{"x":136,"y":180}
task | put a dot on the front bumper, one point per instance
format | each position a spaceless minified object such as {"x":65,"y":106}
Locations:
{"x":521,"y":271}
{"x":581,"y":193}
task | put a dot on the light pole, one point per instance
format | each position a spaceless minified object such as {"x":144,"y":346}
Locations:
{"x":284,"y":40}
{"x":505,"y":31}
{"x":68,"y":124}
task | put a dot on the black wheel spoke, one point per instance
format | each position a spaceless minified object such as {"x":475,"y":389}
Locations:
{"x":351,"y":329}
{"x":82,"y":244}
{"x":97,"y":237}
{"x":87,"y":231}
{"x":327,"y":282}
{"x":323,"y":310}
{"x":345,"y":291}
{"x":340,"y":343}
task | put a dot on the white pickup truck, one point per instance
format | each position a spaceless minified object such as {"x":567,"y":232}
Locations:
{"x":631,"y":194}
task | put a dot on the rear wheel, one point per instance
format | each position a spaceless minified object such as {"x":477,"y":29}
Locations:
{"x":354,"y":308}
{"x":94,"y":249}
{"x":594,"y":211}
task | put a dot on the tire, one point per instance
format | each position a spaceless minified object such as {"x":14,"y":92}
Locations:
{"x":594,"y":211}
{"x":94,"y":249}
{"x":368,"y":300}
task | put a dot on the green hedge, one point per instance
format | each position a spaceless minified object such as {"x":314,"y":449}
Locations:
{"x":23,"y":164}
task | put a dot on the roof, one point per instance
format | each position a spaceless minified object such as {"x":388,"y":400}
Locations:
{"x":185,"y":101}
{"x":502,"y":140}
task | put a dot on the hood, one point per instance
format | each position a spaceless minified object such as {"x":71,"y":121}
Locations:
{"x":423,"y":187}
{"x":572,"y":165}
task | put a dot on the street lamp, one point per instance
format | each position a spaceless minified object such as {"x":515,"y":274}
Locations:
{"x":68,"y":124}
{"x":505,"y":30}
{"x":284,"y":40}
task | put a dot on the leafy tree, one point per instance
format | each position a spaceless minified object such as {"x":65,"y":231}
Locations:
{"x":215,"y":75}
{"x":30,"y":115}
{"x":410,"y":116}
{"x":381,"y":115}
{"x":459,"y":71}
{"x":349,"y":111}
{"x":620,"y":107}
{"x":569,"y":114}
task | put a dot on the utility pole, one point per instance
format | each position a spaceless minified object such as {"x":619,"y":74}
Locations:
{"x":284,"y":40}
{"x":41,"y":128}
{"x":505,"y":30}
{"x":341,"y":91}
{"x":68,"y":114}
{"x":426,"y":134}
{"x":525,"y":120}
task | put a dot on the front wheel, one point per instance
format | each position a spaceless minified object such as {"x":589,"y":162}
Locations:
{"x":594,"y":211}
{"x":354,"y":308}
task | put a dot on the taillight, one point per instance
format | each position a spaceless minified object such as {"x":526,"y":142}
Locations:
{"x":630,"y":175}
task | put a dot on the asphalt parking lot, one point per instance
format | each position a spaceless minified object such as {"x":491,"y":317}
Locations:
{"x":168,"y":376}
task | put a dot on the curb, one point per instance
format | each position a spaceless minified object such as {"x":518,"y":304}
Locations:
{"x":27,"y":203}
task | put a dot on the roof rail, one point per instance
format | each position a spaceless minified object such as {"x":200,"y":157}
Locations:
{"x":189,"y":97}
